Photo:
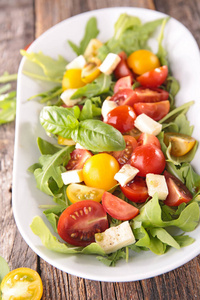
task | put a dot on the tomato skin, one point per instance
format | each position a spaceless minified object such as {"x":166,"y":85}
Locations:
{"x":181,"y":144}
{"x":151,"y":95}
{"x":122,"y":68}
{"x":99,"y":171}
{"x":156,"y":110}
{"x":78,"y":159}
{"x":147,"y":138}
{"x":178,"y":192}
{"x":72,"y":79}
{"x":123,"y":83}
{"x":148,"y":159}
{"x":24,"y":280}
{"x":142,"y":61}
{"x":136,"y":190}
{"x":153,"y":78}
{"x":79,"y":192}
{"x":125,"y":97}
{"x":123,"y":156}
{"x":80,"y":221}
{"x":122,"y":118}
{"x":117,"y":208}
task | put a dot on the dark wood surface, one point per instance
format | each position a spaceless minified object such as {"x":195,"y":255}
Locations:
{"x":21,"y":21}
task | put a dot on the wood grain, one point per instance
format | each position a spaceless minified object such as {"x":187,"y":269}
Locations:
{"x":21,"y":21}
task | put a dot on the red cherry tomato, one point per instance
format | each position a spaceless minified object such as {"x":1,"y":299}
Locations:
{"x":118,"y":208}
{"x":122,"y":68}
{"x":122,"y":118}
{"x":125,"y":97}
{"x":146,"y":138}
{"x":80,"y":221}
{"x":78,"y":159}
{"x":123,"y":83}
{"x":123,"y":156}
{"x":136,"y":190}
{"x":148,"y":159}
{"x":156,"y":110}
{"x":151,"y":95}
{"x":177,"y":191}
{"x":153,"y":78}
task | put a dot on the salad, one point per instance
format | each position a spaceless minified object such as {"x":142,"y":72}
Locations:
{"x":119,"y":167}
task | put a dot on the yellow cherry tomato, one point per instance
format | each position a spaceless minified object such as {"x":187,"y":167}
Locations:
{"x":66,"y":142}
{"x":99,"y":171}
{"x":142,"y":61}
{"x":181,"y":144}
{"x":78,"y":192}
{"x":22,"y":283}
{"x":72,"y":79}
{"x":90,"y":72}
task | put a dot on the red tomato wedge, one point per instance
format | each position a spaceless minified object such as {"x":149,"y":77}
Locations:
{"x":136,"y":190}
{"x":124,"y":97}
{"x":123,"y":156}
{"x":117,"y":208}
{"x":147,"y":138}
{"x":123,"y":83}
{"x":122,"y":68}
{"x":178,"y":192}
{"x":153,"y":78}
{"x":78,"y":159}
{"x":156,"y":110}
{"x":151,"y":95}
{"x":80,"y":221}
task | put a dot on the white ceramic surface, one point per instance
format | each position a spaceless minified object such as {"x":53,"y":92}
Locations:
{"x":185,"y":63}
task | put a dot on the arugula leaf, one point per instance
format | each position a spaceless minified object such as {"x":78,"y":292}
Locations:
{"x":111,"y":259}
{"x":50,"y":96}
{"x":46,"y":147}
{"x":156,"y":246}
{"x":162,"y":53}
{"x":7,"y":110}
{"x":184,"y":240}
{"x":164,"y":237}
{"x":4,"y":268}
{"x":125,"y":22}
{"x":6,"y":77}
{"x":176,"y":111}
{"x":91,"y":32}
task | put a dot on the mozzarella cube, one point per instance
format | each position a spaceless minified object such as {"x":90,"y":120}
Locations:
{"x":73,"y":176}
{"x":78,"y":146}
{"x":77,"y":63}
{"x":115,"y":238}
{"x":109,"y":63}
{"x":107,"y":107}
{"x":66,"y":95}
{"x":126,"y":174}
{"x":146,"y":124}
{"x":157,"y":184}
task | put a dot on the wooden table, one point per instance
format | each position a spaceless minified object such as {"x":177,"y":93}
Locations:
{"x":21,"y":21}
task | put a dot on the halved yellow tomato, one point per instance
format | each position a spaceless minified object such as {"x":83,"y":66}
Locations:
{"x":22,"y":283}
{"x":66,"y":142}
{"x":72,"y":79}
{"x":78,"y":192}
{"x":90,"y":72}
{"x":181,"y":144}
{"x":92,"y":48}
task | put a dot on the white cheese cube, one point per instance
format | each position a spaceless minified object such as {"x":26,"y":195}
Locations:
{"x":157,"y":184}
{"x":126,"y":174}
{"x":107,"y":107}
{"x":146,"y":124}
{"x":78,"y":146}
{"x":66,"y":95}
{"x":77,"y":63}
{"x":109,"y":63}
{"x":73,"y":176}
{"x":115,"y":238}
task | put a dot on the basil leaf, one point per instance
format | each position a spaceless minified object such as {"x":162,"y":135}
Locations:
{"x":98,"y":136}
{"x":89,"y":111}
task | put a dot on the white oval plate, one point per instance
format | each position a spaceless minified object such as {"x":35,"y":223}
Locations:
{"x":185,"y":63}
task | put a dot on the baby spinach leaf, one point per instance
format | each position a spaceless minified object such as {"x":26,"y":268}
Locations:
{"x":98,"y":136}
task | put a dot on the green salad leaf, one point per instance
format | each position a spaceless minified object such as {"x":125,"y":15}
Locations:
{"x":4,"y":268}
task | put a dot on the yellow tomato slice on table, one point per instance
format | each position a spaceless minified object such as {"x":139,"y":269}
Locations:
{"x":78,"y":192}
{"x":181,"y":144}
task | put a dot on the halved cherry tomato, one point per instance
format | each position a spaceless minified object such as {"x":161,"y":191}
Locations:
{"x":155,"y":110}
{"x":80,"y":221}
{"x":90,"y":72}
{"x":22,"y":283}
{"x":177,"y":191}
{"x":123,"y":156}
{"x":148,"y":159}
{"x":147,"y":138}
{"x":123,"y":83}
{"x":66,"y":142}
{"x":122,"y":118}
{"x":151,"y":95}
{"x":118,"y":208}
{"x":79,"y":192}
{"x":122,"y":68}
{"x":134,"y":133}
{"x":78,"y":159}
{"x":136,"y":190}
{"x":125,"y":97}
{"x":153,"y":78}
{"x":99,"y":171}
{"x":72,"y":79}
{"x":142,"y":61}
{"x":181,"y":144}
